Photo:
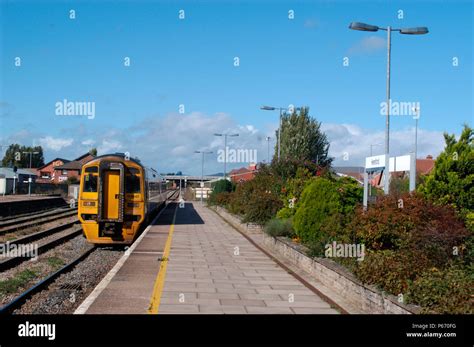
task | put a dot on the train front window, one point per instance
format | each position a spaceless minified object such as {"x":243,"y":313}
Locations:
{"x":132,"y":182}
{"x":90,"y":183}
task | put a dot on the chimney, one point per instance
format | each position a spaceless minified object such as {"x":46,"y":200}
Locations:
{"x":429,"y":156}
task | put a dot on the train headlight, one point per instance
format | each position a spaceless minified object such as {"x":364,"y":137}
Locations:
{"x":86,"y":216}
{"x":88,"y":203}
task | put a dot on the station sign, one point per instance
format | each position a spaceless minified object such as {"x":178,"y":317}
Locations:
{"x":401,"y":163}
{"x":375,"y":162}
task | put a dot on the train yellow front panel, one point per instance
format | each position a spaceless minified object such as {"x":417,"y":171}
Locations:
{"x":112,"y":190}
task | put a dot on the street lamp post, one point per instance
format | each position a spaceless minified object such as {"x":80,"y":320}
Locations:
{"x":29,"y":176}
{"x":373,"y":145}
{"x":271,"y":108}
{"x":202,"y":171}
{"x":225,"y":150}
{"x":413,"y":170}
{"x":268,"y":148}
{"x":389,"y":29}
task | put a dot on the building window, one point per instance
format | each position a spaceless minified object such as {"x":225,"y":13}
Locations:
{"x":64,"y":172}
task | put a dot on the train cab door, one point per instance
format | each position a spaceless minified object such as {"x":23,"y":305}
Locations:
{"x":112,"y":194}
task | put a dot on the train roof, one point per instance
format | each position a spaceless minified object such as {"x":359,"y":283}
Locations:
{"x":122,"y":156}
{"x":119,"y":155}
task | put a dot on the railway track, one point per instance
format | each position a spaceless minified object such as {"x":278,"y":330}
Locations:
{"x":43,"y":284}
{"x":11,"y":262}
{"x":14,"y":225}
{"x":4,"y":220}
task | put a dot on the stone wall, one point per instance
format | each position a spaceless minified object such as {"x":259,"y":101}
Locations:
{"x":334,"y":276}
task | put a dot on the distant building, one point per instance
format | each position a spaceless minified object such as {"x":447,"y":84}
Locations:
{"x":71,"y":169}
{"x":243,"y":174}
{"x":59,"y":170}
{"x":45,"y":173}
{"x":356,"y":172}
{"x":8,"y":178}
{"x":423,"y":167}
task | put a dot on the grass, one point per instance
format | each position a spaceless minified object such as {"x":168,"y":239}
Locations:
{"x":11,"y":285}
{"x":55,"y":262}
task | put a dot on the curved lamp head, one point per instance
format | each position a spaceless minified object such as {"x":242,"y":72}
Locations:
{"x":414,"y":31}
{"x":363,"y":27}
{"x":268,"y":108}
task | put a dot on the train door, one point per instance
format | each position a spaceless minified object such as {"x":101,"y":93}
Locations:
{"x":112,"y":194}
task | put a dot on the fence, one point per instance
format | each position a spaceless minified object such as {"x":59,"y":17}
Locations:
{"x":43,"y":189}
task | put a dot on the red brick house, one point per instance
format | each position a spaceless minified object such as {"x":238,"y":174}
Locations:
{"x":45,"y":173}
{"x":243,"y":174}
{"x":71,"y":169}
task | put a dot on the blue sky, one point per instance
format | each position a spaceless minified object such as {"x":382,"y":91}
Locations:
{"x":191,"y":62}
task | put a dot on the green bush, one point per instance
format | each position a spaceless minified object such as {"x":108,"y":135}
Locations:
{"x":261,"y":207}
{"x":286,"y":213}
{"x":278,"y":227}
{"x":452,"y":180}
{"x":391,"y":270}
{"x":219,"y":187}
{"x":323,"y":211}
{"x":410,"y":246}
{"x":222,"y":185}
{"x":410,"y":222}
{"x":257,"y":200}
{"x":446,"y":291}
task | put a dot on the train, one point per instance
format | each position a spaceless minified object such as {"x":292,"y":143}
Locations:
{"x":117,"y":197}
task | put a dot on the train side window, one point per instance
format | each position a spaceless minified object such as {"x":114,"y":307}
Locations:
{"x":90,"y":183}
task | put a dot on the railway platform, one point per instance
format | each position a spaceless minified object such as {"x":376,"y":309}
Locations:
{"x":191,"y":261}
{"x":11,"y":205}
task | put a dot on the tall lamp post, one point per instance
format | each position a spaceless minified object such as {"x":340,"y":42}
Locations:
{"x":373,"y":145}
{"x":29,"y":176}
{"x":225,"y":150}
{"x":268,"y":148}
{"x":281,"y":109}
{"x":389,"y":29}
{"x":202,"y":170}
{"x":413,"y":170}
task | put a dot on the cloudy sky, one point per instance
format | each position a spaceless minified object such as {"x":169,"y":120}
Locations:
{"x":165,"y":76}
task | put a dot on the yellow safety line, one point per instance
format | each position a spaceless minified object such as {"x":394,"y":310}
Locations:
{"x":160,"y":278}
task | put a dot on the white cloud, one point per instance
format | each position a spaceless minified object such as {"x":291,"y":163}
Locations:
{"x":88,"y":142}
{"x":355,"y":142}
{"x":369,"y":44}
{"x":55,"y":144}
{"x":109,"y":146}
{"x":310,"y":23}
{"x":167,"y":143}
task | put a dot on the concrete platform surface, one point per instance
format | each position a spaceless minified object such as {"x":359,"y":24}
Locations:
{"x":200,"y":265}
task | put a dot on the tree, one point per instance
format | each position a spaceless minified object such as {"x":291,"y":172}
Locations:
{"x":93,"y":152}
{"x":452,"y":180}
{"x":302,"y":138}
{"x":16,"y":156}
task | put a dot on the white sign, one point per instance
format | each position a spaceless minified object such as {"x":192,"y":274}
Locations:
{"x":375,"y":162}
{"x":202,"y":184}
{"x":401,"y":163}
